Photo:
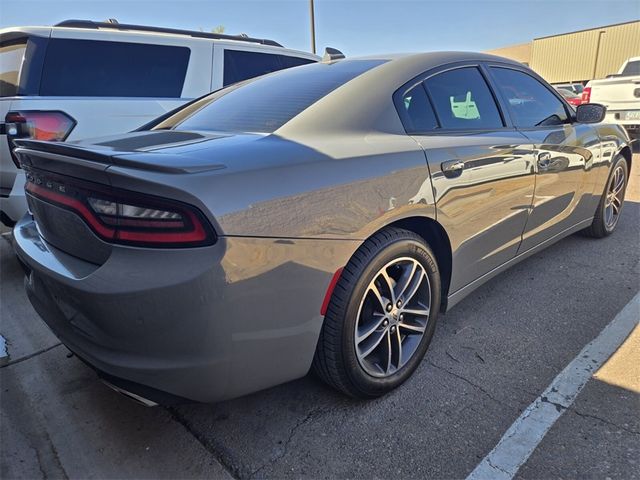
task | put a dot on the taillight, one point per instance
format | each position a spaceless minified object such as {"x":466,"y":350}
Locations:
{"x":124,"y":217}
{"x":586,"y":94}
{"x":52,"y":126}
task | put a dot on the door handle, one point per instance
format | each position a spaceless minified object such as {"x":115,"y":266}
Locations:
{"x":544,"y":159}
{"x":452,"y":168}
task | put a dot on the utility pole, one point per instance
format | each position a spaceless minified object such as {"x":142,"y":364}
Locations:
{"x":313,"y":27}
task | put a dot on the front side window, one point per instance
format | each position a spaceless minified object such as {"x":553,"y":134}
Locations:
{"x":11,"y":57}
{"x":240,"y":65}
{"x":288,"y":61}
{"x":530,"y":102}
{"x":89,"y":68}
{"x":462,"y":100}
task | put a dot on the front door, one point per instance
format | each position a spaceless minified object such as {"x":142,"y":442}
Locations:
{"x":564,"y":155}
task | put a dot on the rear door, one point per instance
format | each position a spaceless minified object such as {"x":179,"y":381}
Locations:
{"x":21,"y":56}
{"x":481,"y":167}
{"x":112,"y":83}
{"x":565,"y":154}
{"x":11,"y":54}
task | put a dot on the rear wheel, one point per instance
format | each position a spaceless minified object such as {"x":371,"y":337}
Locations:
{"x":381,"y":316}
{"x":610,"y":206}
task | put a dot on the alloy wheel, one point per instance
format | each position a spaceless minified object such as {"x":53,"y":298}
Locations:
{"x":392,"y":317}
{"x":615,"y":197}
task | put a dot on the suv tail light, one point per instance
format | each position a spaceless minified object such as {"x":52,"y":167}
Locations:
{"x":52,"y":126}
{"x":124,"y":217}
{"x":586,"y":94}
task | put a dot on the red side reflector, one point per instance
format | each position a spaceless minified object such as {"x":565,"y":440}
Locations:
{"x":332,"y":286}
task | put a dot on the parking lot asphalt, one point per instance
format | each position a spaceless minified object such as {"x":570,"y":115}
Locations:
{"x":491,"y":356}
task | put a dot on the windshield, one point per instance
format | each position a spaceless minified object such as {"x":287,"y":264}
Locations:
{"x":265,"y":104}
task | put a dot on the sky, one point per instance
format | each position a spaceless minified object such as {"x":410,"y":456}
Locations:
{"x":356,"y":27}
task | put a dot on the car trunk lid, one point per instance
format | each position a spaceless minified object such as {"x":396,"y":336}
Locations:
{"x":79,"y":204}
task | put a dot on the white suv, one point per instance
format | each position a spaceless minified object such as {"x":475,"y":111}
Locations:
{"x":81,"y":79}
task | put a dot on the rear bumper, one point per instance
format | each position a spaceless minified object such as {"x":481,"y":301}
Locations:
{"x":204,"y":324}
{"x":14,"y":204}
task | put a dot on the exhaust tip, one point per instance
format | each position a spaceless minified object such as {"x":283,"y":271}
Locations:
{"x":133,"y":396}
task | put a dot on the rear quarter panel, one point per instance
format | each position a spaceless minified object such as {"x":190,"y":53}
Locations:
{"x":100,"y":116}
{"x":341,"y":188}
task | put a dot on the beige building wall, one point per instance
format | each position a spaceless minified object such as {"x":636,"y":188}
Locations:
{"x":586,"y":54}
{"x":520,"y":52}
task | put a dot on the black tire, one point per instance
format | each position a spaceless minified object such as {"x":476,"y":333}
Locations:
{"x":336,"y":361}
{"x":599,"y":227}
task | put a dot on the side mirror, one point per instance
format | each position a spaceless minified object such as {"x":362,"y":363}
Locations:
{"x":590,"y":113}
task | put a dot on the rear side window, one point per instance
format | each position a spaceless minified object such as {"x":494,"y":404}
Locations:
{"x":265,"y":104}
{"x":419,"y":114}
{"x":241,"y":65}
{"x":11,"y":56}
{"x":88,"y":68}
{"x":462,"y":100}
{"x":530,"y":102}
{"x":631,"y":68}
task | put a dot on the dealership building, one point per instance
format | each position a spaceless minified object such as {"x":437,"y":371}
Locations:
{"x":578,"y":56}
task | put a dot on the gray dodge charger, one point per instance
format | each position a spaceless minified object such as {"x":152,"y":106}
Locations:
{"x":319,"y":218}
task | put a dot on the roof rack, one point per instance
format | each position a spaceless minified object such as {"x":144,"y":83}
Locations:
{"x":145,"y":28}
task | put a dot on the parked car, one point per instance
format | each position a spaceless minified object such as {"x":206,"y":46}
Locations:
{"x":620,"y":93}
{"x":276,"y":225}
{"x":570,"y":97}
{"x":130,"y":74}
{"x":576,"y":88}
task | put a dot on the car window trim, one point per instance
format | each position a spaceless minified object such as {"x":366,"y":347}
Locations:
{"x":568,"y":111}
{"x":30,"y":74}
{"x":398,"y":95}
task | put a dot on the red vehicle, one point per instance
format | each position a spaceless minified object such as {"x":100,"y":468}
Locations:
{"x":570,"y":96}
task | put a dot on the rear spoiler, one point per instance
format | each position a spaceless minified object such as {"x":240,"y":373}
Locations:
{"x":61,"y":148}
{"x":56,"y":156}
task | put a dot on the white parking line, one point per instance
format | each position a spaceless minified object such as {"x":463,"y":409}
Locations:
{"x":524,"y":435}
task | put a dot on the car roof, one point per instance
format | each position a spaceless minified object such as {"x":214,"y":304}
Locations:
{"x":374,"y":109}
{"x":88,"y":28}
{"x":436,"y":58}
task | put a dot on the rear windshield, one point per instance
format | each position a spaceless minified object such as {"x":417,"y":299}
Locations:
{"x":265,"y":104}
{"x":11,"y":56}
{"x":89,"y":68}
{"x":631,"y":68}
